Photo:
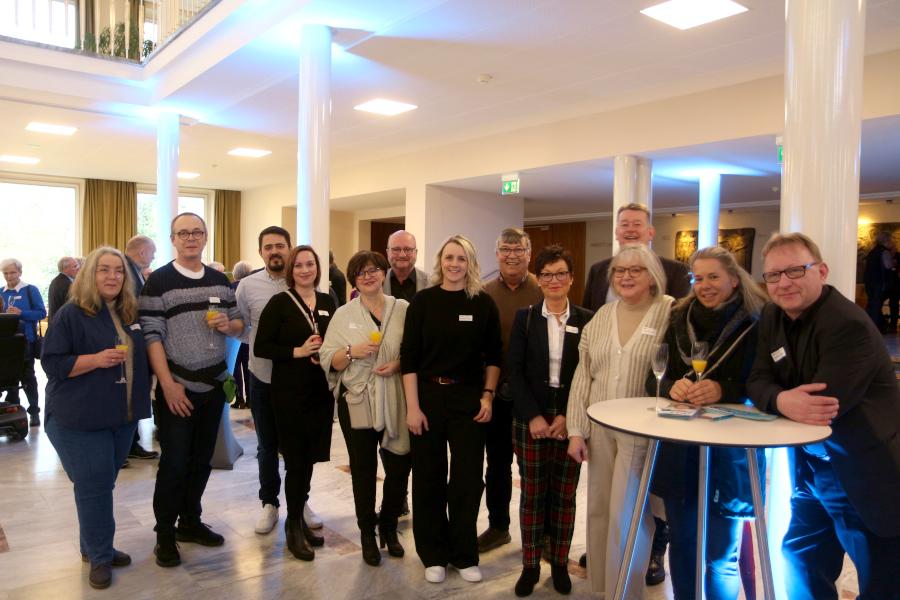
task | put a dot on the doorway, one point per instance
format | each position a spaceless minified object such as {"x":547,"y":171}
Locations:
{"x":572,"y":237}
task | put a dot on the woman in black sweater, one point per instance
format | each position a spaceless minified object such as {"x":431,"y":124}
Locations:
{"x":450,"y":359}
{"x":722,"y":309}
{"x":290,"y":333}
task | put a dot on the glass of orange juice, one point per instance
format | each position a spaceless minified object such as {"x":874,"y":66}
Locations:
{"x":211,"y":312}
{"x":122,"y":346}
{"x":375,"y":337}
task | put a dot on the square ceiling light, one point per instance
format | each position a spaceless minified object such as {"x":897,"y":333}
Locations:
{"x":685,"y":14}
{"x":187,"y":175}
{"x":19,"y":160}
{"x":51,"y":128}
{"x":381,"y":106}
{"x":249,"y":152}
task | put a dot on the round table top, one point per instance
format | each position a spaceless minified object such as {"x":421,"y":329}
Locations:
{"x":637,"y":416}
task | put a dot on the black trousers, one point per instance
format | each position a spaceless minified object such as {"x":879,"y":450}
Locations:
{"x":498,"y":447}
{"x":30,"y":385}
{"x":298,"y":459}
{"x":362,"y":447}
{"x":186,"y":449}
{"x":445,"y":512}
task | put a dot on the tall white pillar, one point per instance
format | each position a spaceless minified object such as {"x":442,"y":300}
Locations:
{"x":168,"y":140}
{"x":632,"y":182}
{"x":822,"y":106}
{"x":708,"y":219}
{"x":313,"y":134}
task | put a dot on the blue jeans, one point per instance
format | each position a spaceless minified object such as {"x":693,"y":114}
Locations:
{"x":92,"y":460}
{"x":823,"y":526}
{"x":266,"y":440}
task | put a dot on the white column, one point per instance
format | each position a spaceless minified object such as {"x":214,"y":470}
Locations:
{"x":708,"y":219}
{"x":314,"y":129}
{"x":168,"y":140}
{"x":822,"y":105}
{"x":632,"y":182}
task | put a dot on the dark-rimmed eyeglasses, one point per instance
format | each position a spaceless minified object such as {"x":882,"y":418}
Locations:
{"x":633,"y":271}
{"x":184,"y":235}
{"x":506,"y":251}
{"x":370,"y":272}
{"x":791,"y":272}
{"x":548,"y":277}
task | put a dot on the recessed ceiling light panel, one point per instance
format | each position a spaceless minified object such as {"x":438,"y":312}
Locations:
{"x":19,"y":160}
{"x":249,"y":152}
{"x":50,"y":128}
{"x":685,"y":14}
{"x":187,"y":175}
{"x":381,"y":106}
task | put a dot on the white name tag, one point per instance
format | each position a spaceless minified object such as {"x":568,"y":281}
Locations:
{"x":571,"y":329}
{"x":354,"y":326}
{"x":778,"y":354}
{"x":214,"y":300}
{"x":465,"y":317}
{"x":17,"y":297}
{"x":323,"y":313}
{"x":648,"y":331}
{"x":136,"y":327}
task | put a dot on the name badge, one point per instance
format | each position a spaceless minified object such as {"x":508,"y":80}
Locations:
{"x":465,"y":318}
{"x":323,"y":313}
{"x":648,"y":331}
{"x":778,"y":354}
{"x":571,"y":329}
{"x":354,"y":326}
{"x":214,"y":300}
{"x":136,"y":327}
{"x":17,"y":297}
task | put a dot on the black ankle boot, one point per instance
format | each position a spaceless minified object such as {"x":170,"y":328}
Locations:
{"x":370,"y":553}
{"x":527,"y":580}
{"x":388,"y":537}
{"x":166,"y":551}
{"x":312,"y":538}
{"x":561,"y":581}
{"x":296,"y":541}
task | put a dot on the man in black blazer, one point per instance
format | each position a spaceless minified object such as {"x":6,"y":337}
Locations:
{"x":821,"y":361}
{"x":59,"y":286}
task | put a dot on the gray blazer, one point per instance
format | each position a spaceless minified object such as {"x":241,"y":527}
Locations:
{"x":421,"y":281}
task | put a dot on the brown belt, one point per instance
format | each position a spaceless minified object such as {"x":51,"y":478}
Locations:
{"x":443,"y":380}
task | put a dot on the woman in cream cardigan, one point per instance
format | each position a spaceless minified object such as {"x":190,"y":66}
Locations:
{"x":615,"y":351}
{"x":361,"y":356}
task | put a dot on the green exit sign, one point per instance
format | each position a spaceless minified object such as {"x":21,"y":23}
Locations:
{"x":780,"y":153}
{"x":510,"y":187}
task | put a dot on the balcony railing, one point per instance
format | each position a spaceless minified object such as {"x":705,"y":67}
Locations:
{"x":127,"y":29}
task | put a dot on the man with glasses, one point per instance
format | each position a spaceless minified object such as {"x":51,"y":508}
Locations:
{"x":513,"y":289}
{"x":186,"y":311}
{"x":403,"y":279}
{"x":822,"y":361}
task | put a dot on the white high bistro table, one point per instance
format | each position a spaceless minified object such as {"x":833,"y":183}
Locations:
{"x":637,"y":416}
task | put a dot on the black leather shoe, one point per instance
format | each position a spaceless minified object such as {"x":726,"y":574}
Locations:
{"x":120,"y":559}
{"x":35,"y":421}
{"x":493,"y":538}
{"x":527,"y":580}
{"x":388,"y":537}
{"x":656,"y":570}
{"x":312,"y":538}
{"x":137,"y":451}
{"x":370,"y":553}
{"x":166,"y":551}
{"x":100,"y":576}
{"x":582,"y":561}
{"x":561,"y":581}
{"x":296,"y":541}
{"x":198,"y":533}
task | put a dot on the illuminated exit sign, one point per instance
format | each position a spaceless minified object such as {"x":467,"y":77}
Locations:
{"x":509,"y":184}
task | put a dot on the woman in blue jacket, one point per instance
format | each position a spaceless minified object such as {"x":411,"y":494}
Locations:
{"x":98,"y":387}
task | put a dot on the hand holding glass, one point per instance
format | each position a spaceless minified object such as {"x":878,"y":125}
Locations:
{"x":122,"y":346}
{"x":659,"y":363}
{"x":699,"y":354}
{"x":211,"y":313}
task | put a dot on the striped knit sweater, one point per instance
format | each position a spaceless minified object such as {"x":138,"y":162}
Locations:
{"x":606,"y":369}
{"x":173,"y":311}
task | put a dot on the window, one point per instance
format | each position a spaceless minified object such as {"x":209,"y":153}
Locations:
{"x":48,"y":22}
{"x":38,"y":227}
{"x":146,"y":216}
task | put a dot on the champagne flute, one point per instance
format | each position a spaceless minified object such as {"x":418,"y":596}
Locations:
{"x":699,"y":354}
{"x":659,"y":363}
{"x":122,"y":346}
{"x":211,"y":313}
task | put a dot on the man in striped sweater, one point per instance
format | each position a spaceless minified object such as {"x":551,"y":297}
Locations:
{"x":186,"y":312}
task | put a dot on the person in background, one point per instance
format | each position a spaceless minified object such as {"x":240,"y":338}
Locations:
{"x":821,"y":361}
{"x":893,"y":288}
{"x":543,"y":354}
{"x":289,"y":333}
{"x":614,"y":356}
{"x":217,"y":266}
{"x":337,"y":280}
{"x":96,"y":393}
{"x":25,"y":300}
{"x":240,"y":270}
{"x":722,"y":310}
{"x":140,"y":251}
{"x":879,"y":265}
{"x":186,"y":312}
{"x":361,"y":356}
{"x":450,"y":359}
{"x":513,"y":289}
{"x":403,"y":279}
{"x":59,"y":286}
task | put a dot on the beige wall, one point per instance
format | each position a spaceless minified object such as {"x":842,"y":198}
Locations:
{"x":260,"y":208}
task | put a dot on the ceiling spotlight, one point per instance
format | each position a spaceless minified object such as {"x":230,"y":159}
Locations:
{"x":381,"y":106}
{"x":19,"y":160}
{"x":685,"y":14}
{"x":249,"y":152}
{"x":51,"y":128}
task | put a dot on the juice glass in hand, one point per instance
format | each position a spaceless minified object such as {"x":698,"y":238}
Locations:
{"x":122,"y":346}
{"x":699,"y":354}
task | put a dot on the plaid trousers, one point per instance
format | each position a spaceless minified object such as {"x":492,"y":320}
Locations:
{"x":549,"y":478}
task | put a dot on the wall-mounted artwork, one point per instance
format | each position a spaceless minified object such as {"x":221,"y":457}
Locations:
{"x":738,"y":241}
{"x":865,"y":240}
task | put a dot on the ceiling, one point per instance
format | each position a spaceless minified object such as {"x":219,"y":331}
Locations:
{"x":236,"y":78}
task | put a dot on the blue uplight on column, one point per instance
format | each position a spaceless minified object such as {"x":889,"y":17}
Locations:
{"x":168,"y":143}
{"x":708,"y":221}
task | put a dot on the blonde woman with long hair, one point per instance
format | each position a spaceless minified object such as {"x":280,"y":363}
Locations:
{"x":450,"y":359}
{"x":98,"y":387}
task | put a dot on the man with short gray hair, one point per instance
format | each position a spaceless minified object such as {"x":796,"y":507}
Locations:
{"x":403,"y":279}
{"x":59,"y":287}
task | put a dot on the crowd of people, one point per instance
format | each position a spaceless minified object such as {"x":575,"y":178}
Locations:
{"x":447,"y":378}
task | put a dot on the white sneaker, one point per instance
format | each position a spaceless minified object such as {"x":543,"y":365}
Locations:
{"x":471,"y":574}
{"x":435,"y":574}
{"x":312,"y":519}
{"x":268,"y":518}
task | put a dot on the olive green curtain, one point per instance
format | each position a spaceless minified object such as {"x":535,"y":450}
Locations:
{"x":110,"y":213}
{"x":227,"y":231}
